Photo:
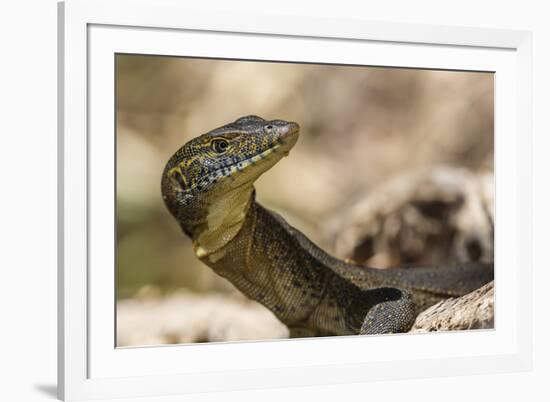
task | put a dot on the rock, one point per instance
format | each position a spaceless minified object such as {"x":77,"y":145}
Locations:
{"x":472,"y":311}
{"x":185,"y":317}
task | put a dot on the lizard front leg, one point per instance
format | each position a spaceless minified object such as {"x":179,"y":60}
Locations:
{"x":394,"y":313}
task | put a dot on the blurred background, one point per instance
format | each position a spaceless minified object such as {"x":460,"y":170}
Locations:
{"x":393,"y":166}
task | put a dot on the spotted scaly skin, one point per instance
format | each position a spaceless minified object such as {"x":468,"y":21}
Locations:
{"x":207,"y":186}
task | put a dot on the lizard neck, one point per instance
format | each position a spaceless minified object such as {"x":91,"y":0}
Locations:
{"x":224,"y":218}
{"x":265,"y":261}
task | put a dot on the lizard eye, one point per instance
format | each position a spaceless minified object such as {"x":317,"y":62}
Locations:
{"x":219,"y":145}
{"x":268,"y":128}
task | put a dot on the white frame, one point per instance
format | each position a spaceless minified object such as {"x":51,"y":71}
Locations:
{"x":78,"y":345}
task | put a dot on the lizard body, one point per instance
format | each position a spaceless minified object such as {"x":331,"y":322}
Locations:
{"x":207,"y":185}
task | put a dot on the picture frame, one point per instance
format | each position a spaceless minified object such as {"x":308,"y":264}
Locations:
{"x":92,"y":32}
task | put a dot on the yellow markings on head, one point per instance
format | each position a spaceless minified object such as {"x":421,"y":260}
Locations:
{"x":175,"y":169}
{"x":177,"y":175}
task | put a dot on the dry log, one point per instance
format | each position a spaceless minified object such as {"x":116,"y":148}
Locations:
{"x":472,"y":311}
{"x":437,"y":216}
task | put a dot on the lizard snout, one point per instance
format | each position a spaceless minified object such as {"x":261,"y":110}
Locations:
{"x":288,"y":130}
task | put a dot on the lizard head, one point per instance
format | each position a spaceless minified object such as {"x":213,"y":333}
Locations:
{"x":214,"y":165}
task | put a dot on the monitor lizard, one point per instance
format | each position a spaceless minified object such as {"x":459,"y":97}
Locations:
{"x":207,"y":185}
